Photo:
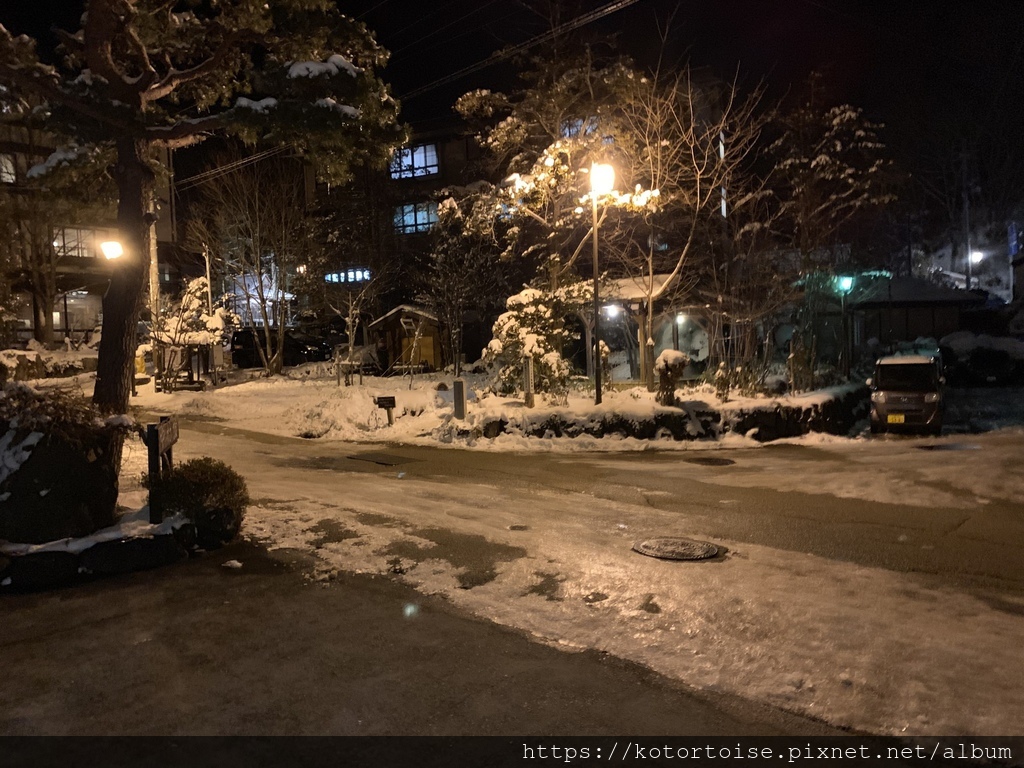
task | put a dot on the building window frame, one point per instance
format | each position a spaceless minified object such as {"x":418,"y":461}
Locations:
{"x":413,"y":218}
{"x":416,"y":161}
{"x":347,"y":276}
{"x":76,"y":242}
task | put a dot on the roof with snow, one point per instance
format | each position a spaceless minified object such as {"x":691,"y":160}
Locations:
{"x":404,"y":309}
{"x":631,"y":288}
{"x":908,"y":290}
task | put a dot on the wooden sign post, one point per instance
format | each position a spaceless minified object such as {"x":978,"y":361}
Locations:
{"x":388,"y":404}
{"x":160,"y":439}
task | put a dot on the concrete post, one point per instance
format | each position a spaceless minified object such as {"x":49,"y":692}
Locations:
{"x":460,"y":398}
{"x":528,"y":380}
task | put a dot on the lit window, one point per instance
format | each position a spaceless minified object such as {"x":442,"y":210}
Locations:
{"x":411,"y":162}
{"x":356,"y":275}
{"x":415,"y":217}
{"x":7,"y":170}
{"x":75,"y":241}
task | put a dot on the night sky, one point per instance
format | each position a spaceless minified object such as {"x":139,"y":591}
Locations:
{"x":917,"y":67}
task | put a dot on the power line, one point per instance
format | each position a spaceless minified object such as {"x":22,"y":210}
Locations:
{"x":222,"y":170}
{"x":364,"y":14}
{"x":442,"y":29}
{"x":418,"y":21}
{"x":467,"y":32}
{"x":498,"y":56}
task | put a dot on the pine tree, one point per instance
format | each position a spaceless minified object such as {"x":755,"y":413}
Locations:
{"x":145,"y":74}
{"x":831,"y":166}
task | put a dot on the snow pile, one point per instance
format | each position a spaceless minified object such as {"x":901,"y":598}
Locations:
{"x":343,"y":109}
{"x":332,"y":66}
{"x":134,"y":525}
{"x":314,"y":407}
{"x":262,"y":106}
{"x":671,"y":358}
{"x":61,"y":157}
{"x":964,"y":343}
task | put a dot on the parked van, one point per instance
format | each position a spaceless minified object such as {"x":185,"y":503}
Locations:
{"x":906,"y":394}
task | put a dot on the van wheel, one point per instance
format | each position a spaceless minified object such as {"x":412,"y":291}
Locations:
{"x":875,"y":429}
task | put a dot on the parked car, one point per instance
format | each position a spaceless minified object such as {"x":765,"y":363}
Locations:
{"x":906,"y":394}
{"x":298,"y":347}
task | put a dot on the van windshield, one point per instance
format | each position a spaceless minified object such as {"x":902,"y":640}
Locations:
{"x":910,"y":377}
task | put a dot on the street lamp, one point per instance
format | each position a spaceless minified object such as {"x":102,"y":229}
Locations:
{"x":112,"y":249}
{"x":602,"y":180}
{"x":845,"y":284}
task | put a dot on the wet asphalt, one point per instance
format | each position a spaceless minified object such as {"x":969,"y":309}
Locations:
{"x":199,"y":648}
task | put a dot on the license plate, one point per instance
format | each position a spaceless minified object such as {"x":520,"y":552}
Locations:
{"x":895,"y":418}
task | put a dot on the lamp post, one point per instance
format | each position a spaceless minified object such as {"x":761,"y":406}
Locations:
{"x":845,"y":285}
{"x":602,"y":179}
{"x":975,"y":258}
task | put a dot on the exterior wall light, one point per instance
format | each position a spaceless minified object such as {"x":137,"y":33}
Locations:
{"x":112,"y":249}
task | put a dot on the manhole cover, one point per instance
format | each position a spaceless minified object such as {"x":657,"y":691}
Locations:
{"x":676,"y":548}
{"x":950,"y":447}
{"x":384,"y":459}
{"x":710,"y":461}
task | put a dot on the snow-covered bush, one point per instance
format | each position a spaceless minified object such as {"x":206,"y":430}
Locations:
{"x":189,"y":322}
{"x":209,"y":493}
{"x":536,"y":325}
{"x":669,"y":366}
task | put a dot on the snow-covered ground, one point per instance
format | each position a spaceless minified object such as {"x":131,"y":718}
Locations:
{"x":310,"y":404}
{"x":857,"y":646}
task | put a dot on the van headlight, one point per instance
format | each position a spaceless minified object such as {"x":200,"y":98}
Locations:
{"x":878,"y":397}
{"x":932,"y":397}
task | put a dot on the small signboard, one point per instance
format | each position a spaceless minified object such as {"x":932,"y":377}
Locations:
{"x":160,"y":439}
{"x":385,"y":402}
{"x":166,"y":434}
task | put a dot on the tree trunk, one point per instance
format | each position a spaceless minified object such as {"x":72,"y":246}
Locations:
{"x":648,"y":349}
{"x":122,"y":303}
{"x":42,"y":317}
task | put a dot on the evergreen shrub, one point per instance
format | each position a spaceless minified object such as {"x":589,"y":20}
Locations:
{"x":209,"y":493}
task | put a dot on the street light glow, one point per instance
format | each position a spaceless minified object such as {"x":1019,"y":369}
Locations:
{"x":602,"y":178}
{"x":112,"y":249}
{"x":612,"y":310}
{"x":976,"y":257}
{"x":845,"y":283}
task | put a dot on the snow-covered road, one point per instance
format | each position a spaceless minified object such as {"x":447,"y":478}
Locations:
{"x":875,"y":648}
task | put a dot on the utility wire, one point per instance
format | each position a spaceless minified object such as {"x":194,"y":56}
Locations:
{"x":466,"y":33}
{"x":507,"y":53}
{"x":418,"y":22}
{"x":222,"y":170}
{"x":364,"y":14}
{"x":429,"y":35}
